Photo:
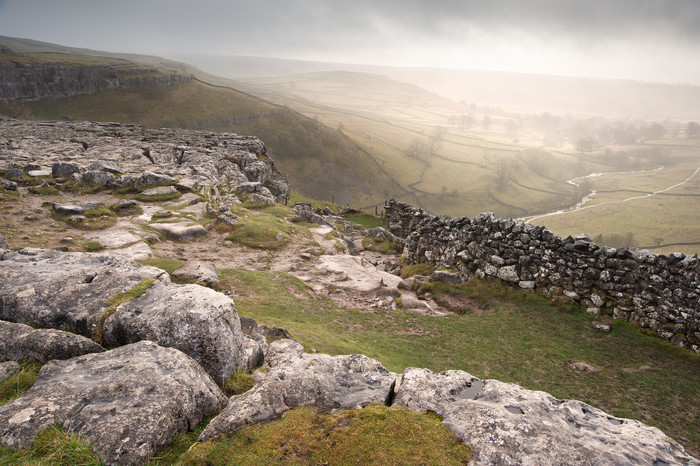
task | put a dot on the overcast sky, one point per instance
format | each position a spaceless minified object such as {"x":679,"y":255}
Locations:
{"x":651,"y":40}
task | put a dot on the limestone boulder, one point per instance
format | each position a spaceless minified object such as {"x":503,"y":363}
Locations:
{"x":131,"y":401}
{"x":65,"y":169}
{"x":180,"y":231}
{"x":507,"y":424}
{"x":198,"y":321}
{"x":60,"y":290}
{"x":20,"y":342}
{"x":198,"y":271}
{"x":103,"y":178}
{"x":327,"y":383}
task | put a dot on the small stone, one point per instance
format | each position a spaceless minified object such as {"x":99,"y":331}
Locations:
{"x":581,"y":366}
{"x":601,"y":327}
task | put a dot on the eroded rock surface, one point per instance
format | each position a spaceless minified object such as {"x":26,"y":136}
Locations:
{"x":20,"y":342}
{"x":53,"y":289}
{"x":132,"y":401}
{"x":198,"y":321}
{"x":72,"y":291}
{"x":198,"y":271}
{"x":8,"y":369}
{"x":297,"y":379}
{"x":507,"y":424}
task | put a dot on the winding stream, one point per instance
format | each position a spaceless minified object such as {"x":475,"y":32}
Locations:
{"x":581,"y":205}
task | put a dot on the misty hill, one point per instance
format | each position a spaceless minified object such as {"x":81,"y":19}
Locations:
{"x":516,"y":92}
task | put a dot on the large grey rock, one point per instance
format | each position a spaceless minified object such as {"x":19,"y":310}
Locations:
{"x":20,"y":342}
{"x":150,"y":179}
{"x":52,"y":289}
{"x":507,"y":424}
{"x":8,"y":369}
{"x":131,"y":401}
{"x":103,"y":178}
{"x":325,"y":382}
{"x":198,"y":321}
{"x":69,"y":209}
{"x":181,"y":231}
{"x":199,"y":271}
{"x":65,"y":169}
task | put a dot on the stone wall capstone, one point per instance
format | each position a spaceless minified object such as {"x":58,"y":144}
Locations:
{"x":656,"y":292}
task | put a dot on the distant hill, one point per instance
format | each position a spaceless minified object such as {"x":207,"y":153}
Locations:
{"x":514,"y":92}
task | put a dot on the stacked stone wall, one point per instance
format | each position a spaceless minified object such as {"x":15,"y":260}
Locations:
{"x":656,"y":292}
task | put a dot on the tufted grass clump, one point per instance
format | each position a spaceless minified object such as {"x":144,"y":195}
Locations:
{"x":53,"y":446}
{"x":93,"y":246}
{"x":238,"y":382}
{"x":417,"y":269}
{"x":17,"y":385}
{"x":376,"y":434}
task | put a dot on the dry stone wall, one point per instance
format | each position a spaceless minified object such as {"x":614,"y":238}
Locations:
{"x":656,"y":292}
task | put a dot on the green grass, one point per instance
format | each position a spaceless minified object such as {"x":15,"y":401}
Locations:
{"x":17,"y":385}
{"x":261,"y":231}
{"x":366,"y":219}
{"x":374,"y":435}
{"x":381,"y":245}
{"x":505,"y":334}
{"x":53,"y":447}
{"x":93,"y":246}
{"x":417,"y":269}
{"x":118,"y":299}
{"x":157,"y":197}
{"x":237,"y":383}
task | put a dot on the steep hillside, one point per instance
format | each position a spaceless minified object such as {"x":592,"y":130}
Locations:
{"x":320,"y":161}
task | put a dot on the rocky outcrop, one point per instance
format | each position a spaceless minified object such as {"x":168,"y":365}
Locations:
{"x":196,"y":320}
{"x":95,"y":152}
{"x":20,"y":342}
{"x":652,"y":291}
{"x":23,"y":80}
{"x":297,"y":379}
{"x":69,"y":291}
{"x":507,"y":424}
{"x":131,"y":401}
{"x":74,"y":291}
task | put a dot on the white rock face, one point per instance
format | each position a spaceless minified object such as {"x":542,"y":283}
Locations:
{"x":131,"y":401}
{"x":507,"y":424}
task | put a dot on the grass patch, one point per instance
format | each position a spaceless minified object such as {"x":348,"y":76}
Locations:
{"x":118,"y":299}
{"x":417,"y":269}
{"x":381,"y":245}
{"x":157,"y":197}
{"x":93,"y":246}
{"x":79,"y":187}
{"x":54,"y":447}
{"x":519,"y":337}
{"x":169,"y":265}
{"x":17,"y":385}
{"x":386,"y":435}
{"x":366,"y":219}
{"x":278,"y":211}
{"x":261,"y":231}
{"x":98,"y":218}
{"x":238,"y":382}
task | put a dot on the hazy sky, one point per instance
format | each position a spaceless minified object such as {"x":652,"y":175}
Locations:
{"x":652,"y":40}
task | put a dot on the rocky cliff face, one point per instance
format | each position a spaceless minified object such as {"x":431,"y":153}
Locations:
{"x":25,"y":81}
